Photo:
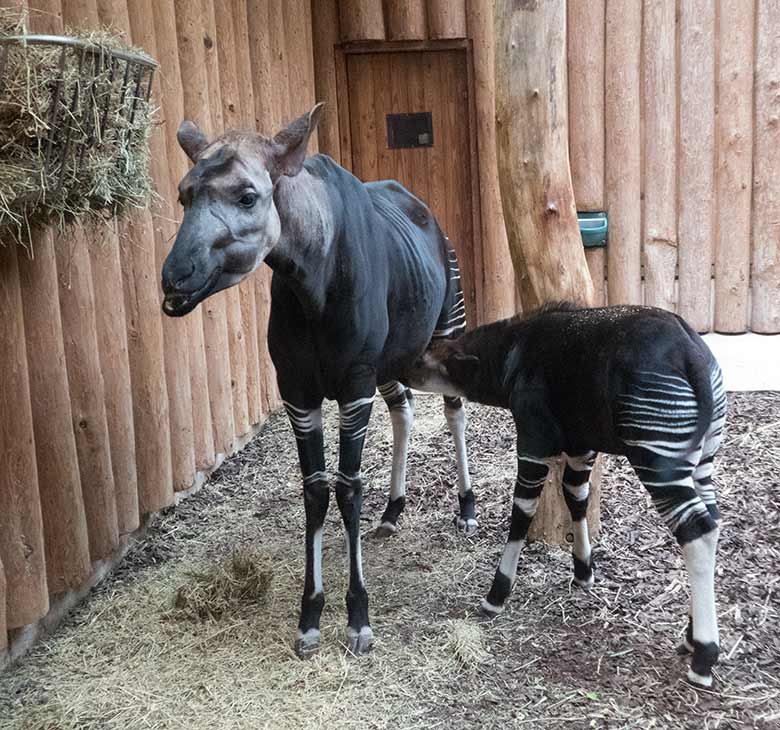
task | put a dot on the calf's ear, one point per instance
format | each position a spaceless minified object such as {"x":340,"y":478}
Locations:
{"x":191,"y":139}
{"x":289,"y":145}
{"x":462,"y":368}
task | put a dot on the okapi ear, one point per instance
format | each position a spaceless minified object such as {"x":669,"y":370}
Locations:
{"x":191,"y":139}
{"x":289,"y":145}
{"x":463,"y":369}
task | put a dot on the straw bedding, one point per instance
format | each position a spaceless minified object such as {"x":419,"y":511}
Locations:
{"x":557,"y":658}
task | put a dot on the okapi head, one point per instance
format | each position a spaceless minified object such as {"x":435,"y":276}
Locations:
{"x":230,"y":219}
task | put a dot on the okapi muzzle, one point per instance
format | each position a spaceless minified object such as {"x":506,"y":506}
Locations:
{"x":214,"y":249}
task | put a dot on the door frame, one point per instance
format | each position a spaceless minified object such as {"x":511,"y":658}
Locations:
{"x":342,"y":50}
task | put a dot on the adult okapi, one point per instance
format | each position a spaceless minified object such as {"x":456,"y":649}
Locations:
{"x":363,"y":280}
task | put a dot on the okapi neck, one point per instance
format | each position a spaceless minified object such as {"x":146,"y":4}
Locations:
{"x":303,"y":255}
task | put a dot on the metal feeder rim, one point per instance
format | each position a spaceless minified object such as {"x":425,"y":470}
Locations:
{"x":58,"y":40}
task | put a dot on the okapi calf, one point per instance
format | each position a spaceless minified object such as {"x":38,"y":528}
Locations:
{"x":634,"y":381}
{"x":363,"y":280}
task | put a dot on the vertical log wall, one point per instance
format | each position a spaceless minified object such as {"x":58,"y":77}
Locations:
{"x":107,"y":407}
{"x":692,"y":196}
{"x":690,"y":108}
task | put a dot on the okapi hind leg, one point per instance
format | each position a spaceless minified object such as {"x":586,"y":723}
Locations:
{"x":400,"y":403}
{"x":455,"y":414}
{"x":674,"y":494}
{"x":576,"y":490}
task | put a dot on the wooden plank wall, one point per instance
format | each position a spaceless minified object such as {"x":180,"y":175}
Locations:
{"x":107,"y":408}
{"x":689,"y":136}
{"x":673,"y":110}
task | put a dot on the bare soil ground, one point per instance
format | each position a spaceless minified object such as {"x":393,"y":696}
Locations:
{"x":557,"y":658}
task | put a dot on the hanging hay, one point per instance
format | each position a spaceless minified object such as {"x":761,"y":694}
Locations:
{"x":241,"y":580}
{"x":75,"y":119}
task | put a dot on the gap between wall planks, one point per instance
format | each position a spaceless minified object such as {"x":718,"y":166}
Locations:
{"x":188,"y":99}
{"x":585,"y":43}
{"x":696,"y":211}
{"x":735,"y":160}
{"x":622,"y":121}
{"x":765,"y":290}
{"x":144,"y":332}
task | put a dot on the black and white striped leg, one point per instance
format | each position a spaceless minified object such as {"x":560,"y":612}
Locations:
{"x":307,"y":426}
{"x":531,"y":474}
{"x":657,"y":420}
{"x":353,"y":422}
{"x":456,"y":420}
{"x":702,"y":482}
{"x":400,"y":403}
{"x":670,"y":483}
{"x":576,"y":489}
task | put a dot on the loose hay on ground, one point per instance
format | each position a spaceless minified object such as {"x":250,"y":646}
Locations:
{"x":558,"y":657}
{"x":224,"y":589}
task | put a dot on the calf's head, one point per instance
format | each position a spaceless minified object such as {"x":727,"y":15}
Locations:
{"x":444,"y":368}
{"x":230,"y":219}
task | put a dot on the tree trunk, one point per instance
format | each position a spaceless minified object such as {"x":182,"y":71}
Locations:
{"x":536,"y":188}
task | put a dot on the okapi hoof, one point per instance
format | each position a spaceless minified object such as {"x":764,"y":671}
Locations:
{"x":468,"y":526}
{"x":385,"y":529}
{"x":700,"y":681}
{"x":489,"y":610}
{"x":360,"y":643}
{"x":705,"y":656}
{"x":307,"y":644}
{"x":583,"y":572}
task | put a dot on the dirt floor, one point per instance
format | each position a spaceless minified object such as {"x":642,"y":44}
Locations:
{"x":558,"y":657}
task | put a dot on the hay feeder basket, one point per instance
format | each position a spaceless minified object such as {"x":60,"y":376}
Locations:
{"x":94,"y":91}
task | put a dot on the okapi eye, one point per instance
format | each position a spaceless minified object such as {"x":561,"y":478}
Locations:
{"x":247,"y":200}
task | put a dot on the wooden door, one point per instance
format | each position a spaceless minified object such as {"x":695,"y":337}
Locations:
{"x":436,"y":82}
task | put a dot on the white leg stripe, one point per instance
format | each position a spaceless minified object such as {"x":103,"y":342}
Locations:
{"x":528,"y":506}
{"x":318,"y":561}
{"x":509,"y":558}
{"x":456,"y":421}
{"x":579,"y":493}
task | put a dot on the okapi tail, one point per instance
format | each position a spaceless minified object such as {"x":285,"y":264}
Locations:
{"x":699,"y":376}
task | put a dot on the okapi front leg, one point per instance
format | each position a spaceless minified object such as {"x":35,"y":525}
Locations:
{"x":353,"y":422}
{"x":455,"y":414}
{"x":531,"y":474}
{"x":307,"y":426}
{"x":400,"y":403}
{"x":576,"y":489}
